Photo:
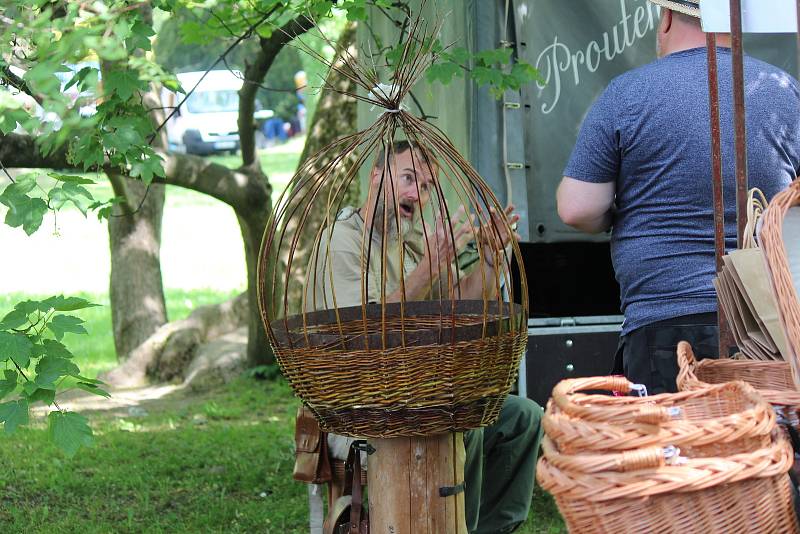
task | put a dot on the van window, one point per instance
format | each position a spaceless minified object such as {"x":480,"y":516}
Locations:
{"x":213,"y":101}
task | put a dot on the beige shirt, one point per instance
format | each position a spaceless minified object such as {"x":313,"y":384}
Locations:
{"x":338,"y":279}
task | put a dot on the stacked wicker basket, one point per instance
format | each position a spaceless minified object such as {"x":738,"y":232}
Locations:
{"x":708,"y":460}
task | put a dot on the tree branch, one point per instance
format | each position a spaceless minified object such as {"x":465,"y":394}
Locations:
{"x":18,"y":83}
{"x":240,"y":189}
{"x":254,"y":75}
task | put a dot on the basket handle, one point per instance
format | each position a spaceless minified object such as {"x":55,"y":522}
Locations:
{"x":646,"y":413}
{"x":686,"y":362}
{"x":624,"y":461}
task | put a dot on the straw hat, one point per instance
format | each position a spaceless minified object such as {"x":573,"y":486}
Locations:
{"x":687,"y":7}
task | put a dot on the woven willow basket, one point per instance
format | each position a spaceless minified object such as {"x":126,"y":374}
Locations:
{"x":638,"y":491}
{"x":440,"y":369}
{"x":775,"y":253}
{"x":712,"y":421}
{"x":772,"y":379}
{"x":396,"y":314}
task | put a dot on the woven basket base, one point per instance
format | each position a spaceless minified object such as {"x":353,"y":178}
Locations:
{"x":381,"y":423}
{"x":753,"y":506}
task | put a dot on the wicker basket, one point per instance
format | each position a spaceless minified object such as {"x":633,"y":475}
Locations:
{"x":775,"y":253}
{"x":772,"y":379}
{"x":431,"y":369}
{"x":638,"y":492}
{"x":715,"y":421}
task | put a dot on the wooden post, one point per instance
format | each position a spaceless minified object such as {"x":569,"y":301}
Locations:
{"x":404,"y":480}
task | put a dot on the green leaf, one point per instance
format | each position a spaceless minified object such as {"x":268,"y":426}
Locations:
{"x":93,"y":389}
{"x":24,"y":185}
{"x":14,"y":414}
{"x":194,"y":33}
{"x":123,"y":82}
{"x":84,"y":78}
{"x":122,"y":138}
{"x":13,"y":319}
{"x":17,"y":347}
{"x":51,"y":368}
{"x":487,"y":76}
{"x":61,"y":324}
{"x":9,"y":383}
{"x":51,"y":347}
{"x":147,"y":168}
{"x":46,"y":396}
{"x":356,"y":12}
{"x":140,"y":36}
{"x":173,"y":84}
{"x":524,"y":73}
{"x":9,"y":119}
{"x":442,"y":72}
{"x":88,"y":151}
{"x":460,"y":55}
{"x":62,"y":303}
{"x":28,"y":306}
{"x":24,"y":211}
{"x":69,"y":431}
{"x":70,"y":179}
{"x":90,"y":380}
{"x":492,"y":57}
{"x":70,"y":192}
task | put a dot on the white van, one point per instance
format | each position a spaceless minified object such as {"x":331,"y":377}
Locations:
{"x":207,"y":122}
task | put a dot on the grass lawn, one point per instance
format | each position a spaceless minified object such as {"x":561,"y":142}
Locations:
{"x":220,"y":461}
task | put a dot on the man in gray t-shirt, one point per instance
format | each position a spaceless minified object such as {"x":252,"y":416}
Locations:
{"x":642,"y":166}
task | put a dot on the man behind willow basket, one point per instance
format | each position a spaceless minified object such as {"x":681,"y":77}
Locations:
{"x":642,"y":168}
{"x":500,"y":459}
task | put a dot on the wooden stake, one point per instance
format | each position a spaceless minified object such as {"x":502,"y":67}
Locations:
{"x":405,"y":478}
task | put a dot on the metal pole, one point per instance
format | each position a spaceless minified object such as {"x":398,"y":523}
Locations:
{"x":738,"y":119}
{"x":725,"y":335}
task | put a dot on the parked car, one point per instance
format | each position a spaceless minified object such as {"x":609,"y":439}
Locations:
{"x":206,"y":123}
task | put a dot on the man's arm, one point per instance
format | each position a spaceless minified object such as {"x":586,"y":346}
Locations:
{"x":586,"y":206}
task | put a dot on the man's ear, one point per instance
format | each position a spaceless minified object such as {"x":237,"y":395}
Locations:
{"x":666,"y":20}
{"x":375,"y":175}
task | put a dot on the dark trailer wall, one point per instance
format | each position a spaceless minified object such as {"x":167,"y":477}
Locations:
{"x":521,"y":143}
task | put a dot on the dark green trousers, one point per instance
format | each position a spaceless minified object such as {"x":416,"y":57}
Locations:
{"x":500,"y":468}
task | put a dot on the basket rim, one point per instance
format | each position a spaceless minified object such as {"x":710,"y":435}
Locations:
{"x":498,"y":318}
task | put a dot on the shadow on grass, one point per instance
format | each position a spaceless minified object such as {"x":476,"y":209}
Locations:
{"x":219,"y":461}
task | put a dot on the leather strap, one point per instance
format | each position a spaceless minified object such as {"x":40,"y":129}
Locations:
{"x":354,"y":460}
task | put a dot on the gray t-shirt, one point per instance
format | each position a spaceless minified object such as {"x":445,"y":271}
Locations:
{"x":649,"y":132}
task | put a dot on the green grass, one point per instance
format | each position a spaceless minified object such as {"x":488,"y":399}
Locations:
{"x":220,"y":462}
{"x":216,"y":462}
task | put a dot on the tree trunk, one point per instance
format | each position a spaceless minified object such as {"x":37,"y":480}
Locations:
{"x":252,"y":222}
{"x":136,"y":291}
{"x":335,"y":116}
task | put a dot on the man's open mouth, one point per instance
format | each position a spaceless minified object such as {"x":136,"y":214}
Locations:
{"x":406,"y":209}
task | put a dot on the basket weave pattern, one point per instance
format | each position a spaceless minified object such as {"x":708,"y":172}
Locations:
{"x":713,"y":421}
{"x":772,"y":379}
{"x":363,"y":386}
{"x":771,"y":239}
{"x":745,"y":493}
{"x":609,"y":463}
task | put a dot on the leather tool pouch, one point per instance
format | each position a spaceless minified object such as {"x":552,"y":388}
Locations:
{"x":312,"y":463}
